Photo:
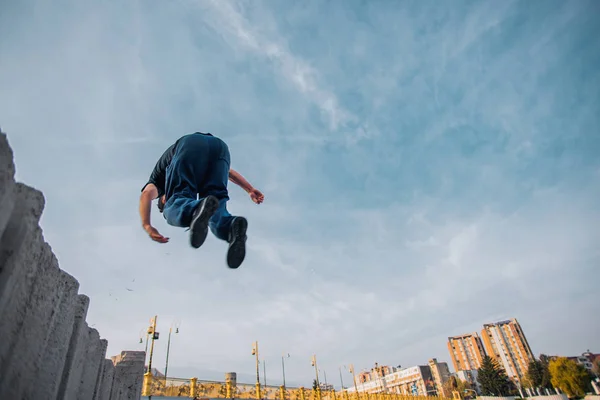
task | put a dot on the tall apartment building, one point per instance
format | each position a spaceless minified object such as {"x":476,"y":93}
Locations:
{"x":506,"y":342}
{"x":466,"y":351}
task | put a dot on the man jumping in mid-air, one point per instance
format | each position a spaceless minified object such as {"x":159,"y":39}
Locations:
{"x":197,"y":165}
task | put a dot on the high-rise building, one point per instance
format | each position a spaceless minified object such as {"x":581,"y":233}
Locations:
{"x":440,"y":373}
{"x":506,"y":342}
{"x":466,"y":351}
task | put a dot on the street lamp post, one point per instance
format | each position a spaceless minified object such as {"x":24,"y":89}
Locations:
{"x":354,"y":379}
{"x":152,"y":331}
{"x":265,"y":376}
{"x":168,"y":348}
{"x":283,"y":367}
{"x":341,"y":379}
{"x":314,"y":363}
{"x":255,"y":353}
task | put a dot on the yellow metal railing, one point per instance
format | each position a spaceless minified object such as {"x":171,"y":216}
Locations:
{"x":190,"y":388}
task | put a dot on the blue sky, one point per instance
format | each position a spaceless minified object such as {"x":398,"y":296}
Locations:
{"x":427,"y":167}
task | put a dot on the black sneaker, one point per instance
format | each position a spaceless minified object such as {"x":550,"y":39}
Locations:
{"x":200,"y":218}
{"x":237,"y":242}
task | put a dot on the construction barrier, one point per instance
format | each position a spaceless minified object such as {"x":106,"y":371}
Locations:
{"x":190,"y":388}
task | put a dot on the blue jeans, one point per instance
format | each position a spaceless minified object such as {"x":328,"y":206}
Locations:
{"x":199,"y":168}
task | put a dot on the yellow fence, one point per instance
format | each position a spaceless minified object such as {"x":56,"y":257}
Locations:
{"x":194,"y":388}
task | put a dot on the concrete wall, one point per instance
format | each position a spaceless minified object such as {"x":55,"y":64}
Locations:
{"x":47,"y":349}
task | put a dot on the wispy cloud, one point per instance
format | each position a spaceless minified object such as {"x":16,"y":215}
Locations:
{"x":239,"y":31}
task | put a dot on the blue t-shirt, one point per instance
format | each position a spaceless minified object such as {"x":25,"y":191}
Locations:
{"x":157,"y":177}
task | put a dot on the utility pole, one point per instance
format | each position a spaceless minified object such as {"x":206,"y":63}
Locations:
{"x":341,"y":379}
{"x":152,"y":331}
{"x":168,"y":348}
{"x":265,"y":376}
{"x":354,"y":379}
{"x":255,"y":353}
{"x":283,"y":368}
{"x":314,"y":364}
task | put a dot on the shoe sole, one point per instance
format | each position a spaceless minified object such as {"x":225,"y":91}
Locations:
{"x":199,"y":225}
{"x":237,"y":248}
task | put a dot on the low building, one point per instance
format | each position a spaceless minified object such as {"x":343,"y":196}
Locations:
{"x":416,"y":381}
{"x":441,"y":374}
{"x":587,"y":360}
{"x":470,"y":376}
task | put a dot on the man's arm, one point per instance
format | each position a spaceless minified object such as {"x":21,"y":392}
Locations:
{"x":149,"y":193}
{"x":239,"y":180}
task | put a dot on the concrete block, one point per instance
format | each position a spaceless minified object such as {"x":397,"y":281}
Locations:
{"x":21,"y":217}
{"x":92,"y":361}
{"x":29,"y":347}
{"x":17,"y":296}
{"x":17,"y":276}
{"x":7,"y":182}
{"x":129,"y":375}
{"x":106,"y":386}
{"x":50,"y":370}
{"x":71,"y":378}
{"x":104,"y":346}
{"x":20,"y":248}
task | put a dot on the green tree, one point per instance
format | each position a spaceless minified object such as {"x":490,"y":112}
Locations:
{"x":493,"y":379}
{"x":535,"y":374}
{"x":454,"y":385}
{"x":573,"y":379}
{"x":546,"y":378}
{"x":315,"y":385}
{"x":538,"y":376}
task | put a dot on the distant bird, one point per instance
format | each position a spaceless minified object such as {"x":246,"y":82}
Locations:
{"x":131,"y":290}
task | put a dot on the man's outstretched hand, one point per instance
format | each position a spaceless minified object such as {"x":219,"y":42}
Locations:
{"x":256,"y":196}
{"x":154,"y":235}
